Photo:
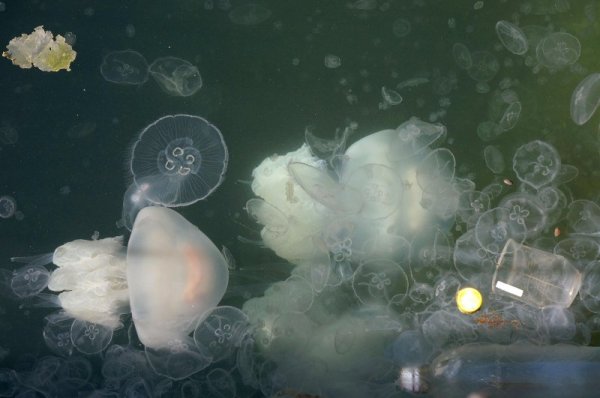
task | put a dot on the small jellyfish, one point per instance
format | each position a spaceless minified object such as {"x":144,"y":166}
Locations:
{"x":401,"y":27}
{"x":324,"y":189}
{"x":583,"y":216}
{"x":29,"y":280}
{"x":493,"y":159}
{"x":485,"y":66}
{"x":249,"y":14}
{"x":380,"y":281}
{"x":558,"y":50}
{"x":176,"y":76}
{"x":536,"y":163}
{"x":9,"y":135}
{"x":462,"y":56}
{"x":182,"y":158}
{"x":125,"y":67}
{"x":90,"y":338}
{"x":221,"y":330}
{"x":585,"y":99}
{"x":590,"y":288}
{"x":390,"y":97}
{"x":332,"y":61}
{"x":8,"y":206}
{"x":413,"y":137}
{"x":381,"y":189}
{"x":494,"y":228}
{"x":436,"y":171}
{"x":512,"y":37}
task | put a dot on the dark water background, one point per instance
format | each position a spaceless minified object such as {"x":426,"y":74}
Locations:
{"x":257,"y":97}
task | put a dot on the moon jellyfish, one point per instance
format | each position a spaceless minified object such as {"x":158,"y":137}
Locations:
{"x":380,"y":187}
{"x":124,"y":67}
{"x":583,"y":216}
{"x":436,"y":171}
{"x":90,"y":338}
{"x":493,"y":159}
{"x":29,"y":280}
{"x":525,"y":210}
{"x":558,"y":50}
{"x":590,"y":288}
{"x":181,"y":158}
{"x":134,"y":200}
{"x":485,"y":66}
{"x":324,"y":189}
{"x":249,"y":14}
{"x":462,"y":56}
{"x":176,"y":76}
{"x":536,"y":163}
{"x":221,"y":330}
{"x":175,"y":274}
{"x":413,"y":137}
{"x":494,"y":228}
{"x":332,"y":61}
{"x":274,"y":221}
{"x":8,"y":206}
{"x":390,"y":98}
{"x":401,"y":27}
{"x":512,"y":37}
{"x":585,"y":99}
{"x":169,"y":276}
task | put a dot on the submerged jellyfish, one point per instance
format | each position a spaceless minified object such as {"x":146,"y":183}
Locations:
{"x":181,"y":158}
{"x":174,"y":273}
{"x":176,"y":76}
{"x":170,"y":276}
{"x":124,"y":67}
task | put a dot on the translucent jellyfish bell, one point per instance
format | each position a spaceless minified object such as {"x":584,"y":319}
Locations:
{"x":182,"y":158}
{"x":413,"y":137}
{"x":175,"y":274}
{"x":324,"y":189}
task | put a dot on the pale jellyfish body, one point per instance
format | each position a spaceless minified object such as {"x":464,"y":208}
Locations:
{"x":175,"y":274}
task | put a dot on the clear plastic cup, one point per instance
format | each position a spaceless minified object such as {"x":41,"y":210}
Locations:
{"x":535,"y":277}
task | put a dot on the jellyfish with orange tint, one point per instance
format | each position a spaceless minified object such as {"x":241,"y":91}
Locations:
{"x":170,"y":276}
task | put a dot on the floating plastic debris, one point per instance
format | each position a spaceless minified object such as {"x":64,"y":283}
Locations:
{"x":41,"y":50}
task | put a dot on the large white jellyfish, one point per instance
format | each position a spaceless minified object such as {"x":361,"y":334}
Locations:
{"x":389,"y":186}
{"x":170,"y":275}
{"x":175,"y":161}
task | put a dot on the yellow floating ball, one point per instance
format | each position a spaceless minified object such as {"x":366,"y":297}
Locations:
{"x":468,"y":300}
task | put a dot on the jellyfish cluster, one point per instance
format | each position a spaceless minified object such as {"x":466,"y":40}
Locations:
{"x":379,"y":251}
{"x":175,"y":76}
{"x":384,"y":234}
